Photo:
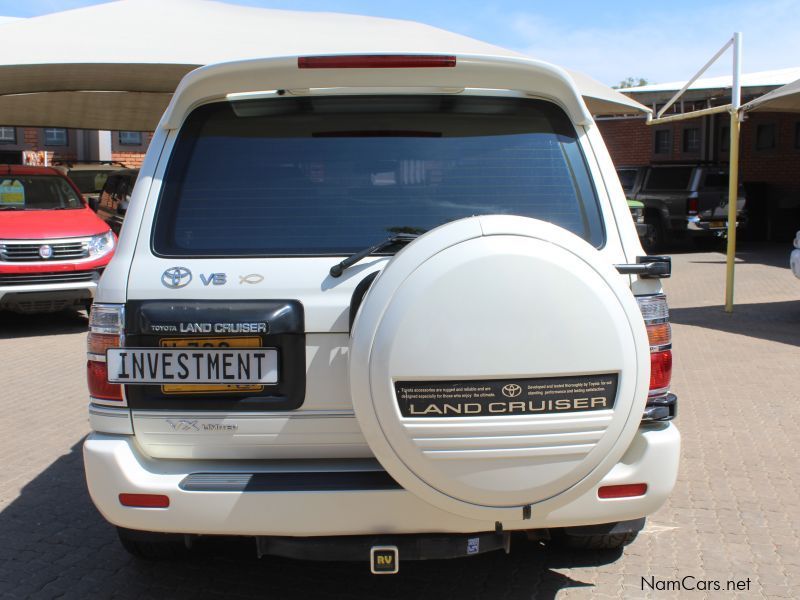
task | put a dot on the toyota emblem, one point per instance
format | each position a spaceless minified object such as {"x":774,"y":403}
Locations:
{"x":176,"y":277}
{"x":512,"y":390}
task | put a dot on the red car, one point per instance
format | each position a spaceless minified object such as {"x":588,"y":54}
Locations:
{"x":53,"y":247}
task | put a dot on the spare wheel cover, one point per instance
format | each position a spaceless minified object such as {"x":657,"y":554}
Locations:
{"x":470,"y":308}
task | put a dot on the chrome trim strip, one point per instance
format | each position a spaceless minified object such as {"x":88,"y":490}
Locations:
{"x":110,"y":403}
{"x":107,"y":411}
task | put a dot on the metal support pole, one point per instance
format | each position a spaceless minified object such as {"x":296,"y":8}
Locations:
{"x":733,"y":175}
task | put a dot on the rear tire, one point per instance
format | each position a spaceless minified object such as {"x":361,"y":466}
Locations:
{"x":151,"y":546}
{"x":610,"y":541}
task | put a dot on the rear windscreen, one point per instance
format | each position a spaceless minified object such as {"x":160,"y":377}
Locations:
{"x":627,"y":177}
{"x":334,"y":175}
{"x":668,"y":178}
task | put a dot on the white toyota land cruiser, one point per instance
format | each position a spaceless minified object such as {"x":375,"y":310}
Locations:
{"x":379,"y":307}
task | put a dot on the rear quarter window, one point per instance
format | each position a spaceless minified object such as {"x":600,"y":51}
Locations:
{"x":333,"y":175}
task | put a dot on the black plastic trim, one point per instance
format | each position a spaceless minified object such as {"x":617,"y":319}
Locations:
{"x":648,"y":267}
{"x":305,"y":481}
{"x":633,"y":526}
{"x":661,"y":408}
{"x":358,"y":296}
{"x":285,"y":331}
{"x":409,"y":546}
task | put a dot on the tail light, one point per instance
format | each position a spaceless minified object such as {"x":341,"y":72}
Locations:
{"x":376,"y":61}
{"x":144,"y":500}
{"x":628,"y":490}
{"x":691,"y":206}
{"x":659,"y":333}
{"x":106,"y":330}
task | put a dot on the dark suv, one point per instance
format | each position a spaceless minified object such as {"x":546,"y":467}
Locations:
{"x":681,"y":200}
{"x":113,"y":202}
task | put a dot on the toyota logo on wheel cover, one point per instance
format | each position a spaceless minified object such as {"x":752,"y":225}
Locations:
{"x":176,"y":277}
{"x":512,"y":390}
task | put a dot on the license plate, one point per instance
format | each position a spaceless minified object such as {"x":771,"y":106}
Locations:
{"x":211,"y":342}
{"x":192,"y":365}
{"x":717,"y":224}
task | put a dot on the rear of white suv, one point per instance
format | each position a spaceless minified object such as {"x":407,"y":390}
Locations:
{"x":374,"y":313}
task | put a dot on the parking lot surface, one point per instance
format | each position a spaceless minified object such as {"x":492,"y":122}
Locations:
{"x":734,"y":516}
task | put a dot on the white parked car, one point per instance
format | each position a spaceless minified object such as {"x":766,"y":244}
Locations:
{"x":394,"y":307}
{"x":794,"y":257}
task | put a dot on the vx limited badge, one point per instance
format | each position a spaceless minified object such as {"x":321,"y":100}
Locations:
{"x":176,"y":277}
{"x":197,"y":426}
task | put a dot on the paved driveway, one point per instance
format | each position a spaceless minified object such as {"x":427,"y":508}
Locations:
{"x":735,"y":514}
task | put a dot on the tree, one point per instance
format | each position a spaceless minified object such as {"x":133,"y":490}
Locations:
{"x":631,"y":82}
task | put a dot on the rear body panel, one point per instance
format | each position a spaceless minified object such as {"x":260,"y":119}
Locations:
{"x":161,"y":437}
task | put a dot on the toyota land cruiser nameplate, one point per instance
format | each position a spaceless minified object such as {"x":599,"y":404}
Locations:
{"x":504,"y":397}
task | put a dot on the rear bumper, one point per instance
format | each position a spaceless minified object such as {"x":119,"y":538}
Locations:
{"x":696,"y":225}
{"x":115,"y":465}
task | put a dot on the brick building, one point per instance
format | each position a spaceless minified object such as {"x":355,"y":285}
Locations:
{"x":769,"y":147}
{"x":20,"y":145}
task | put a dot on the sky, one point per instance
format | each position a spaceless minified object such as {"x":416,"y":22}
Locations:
{"x":659,"y":41}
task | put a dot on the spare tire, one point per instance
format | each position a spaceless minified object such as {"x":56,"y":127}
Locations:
{"x":498,"y":362}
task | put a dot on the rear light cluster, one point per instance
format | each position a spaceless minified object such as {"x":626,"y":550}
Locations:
{"x":656,"y":318}
{"x":106,"y":330}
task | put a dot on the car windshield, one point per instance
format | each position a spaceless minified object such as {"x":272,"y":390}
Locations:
{"x":89,"y":181}
{"x":37,"y":192}
{"x":334,"y":175}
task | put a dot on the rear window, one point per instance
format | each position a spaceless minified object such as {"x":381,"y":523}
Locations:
{"x":89,"y":182}
{"x":717,"y":179}
{"x":668,"y":178}
{"x":334,"y":175}
{"x":627,"y":178}
{"x":37,"y":192}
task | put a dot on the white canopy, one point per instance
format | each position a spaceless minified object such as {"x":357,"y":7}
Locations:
{"x":115,"y":65}
{"x":783,"y":99}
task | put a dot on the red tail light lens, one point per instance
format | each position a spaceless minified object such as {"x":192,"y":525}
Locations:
{"x":659,"y":333}
{"x":376,"y":61}
{"x":144,"y":500}
{"x":691,"y":206}
{"x":106,"y":323}
{"x":660,"y":371}
{"x":628,"y":490}
{"x":97,"y":379}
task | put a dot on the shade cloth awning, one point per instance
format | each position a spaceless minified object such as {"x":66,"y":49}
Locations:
{"x":783,"y":99}
{"x":140,"y":49}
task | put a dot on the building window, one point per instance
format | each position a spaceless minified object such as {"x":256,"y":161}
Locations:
{"x":8,"y":135}
{"x":663,"y":141}
{"x":765,"y":136}
{"x":130,"y":138}
{"x":55,"y":137}
{"x":797,"y":135}
{"x":691,"y":140}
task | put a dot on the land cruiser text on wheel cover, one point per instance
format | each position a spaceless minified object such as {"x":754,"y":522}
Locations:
{"x":497,"y":362}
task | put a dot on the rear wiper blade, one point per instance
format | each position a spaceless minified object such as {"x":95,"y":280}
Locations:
{"x":400,"y":238}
